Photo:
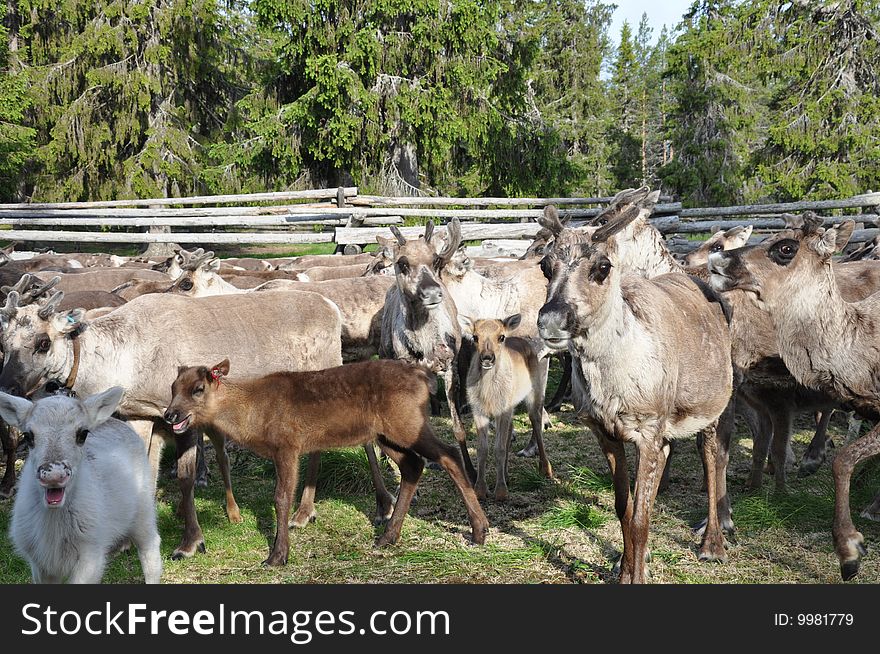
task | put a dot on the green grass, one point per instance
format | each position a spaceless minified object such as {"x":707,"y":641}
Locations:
{"x":574,"y":514}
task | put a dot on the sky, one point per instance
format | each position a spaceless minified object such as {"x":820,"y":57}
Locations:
{"x":660,"y":12}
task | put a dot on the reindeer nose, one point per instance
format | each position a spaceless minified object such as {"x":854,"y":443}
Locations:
{"x":54,"y":473}
{"x":430,"y":294}
{"x":554,"y":321}
{"x":170,"y":416}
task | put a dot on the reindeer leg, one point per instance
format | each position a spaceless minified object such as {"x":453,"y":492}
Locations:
{"x":849,"y":543}
{"x":761,"y":426}
{"x":306,"y":512}
{"x":564,"y":384}
{"x":201,"y":463}
{"x":712,"y":548}
{"x":411,"y":466}
{"x":232,"y":510}
{"x":433,"y":449}
{"x":146,"y":429}
{"x":450,"y":378}
{"x":384,"y":499}
{"x":723,"y":432}
{"x":286,"y":473}
{"x":193,"y":539}
{"x":536,"y":419}
{"x":652,"y":458}
{"x":482,"y":424}
{"x":782,"y":426}
{"x":503,"y":430}
{"x":816,"y":452}
{"x":10,"y":444}
{"x":667,"y":470}
{"x":615,"y":454}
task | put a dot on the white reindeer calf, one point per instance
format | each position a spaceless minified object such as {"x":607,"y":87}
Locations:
{"x":86,"y":487}
{"x":504,"y":372}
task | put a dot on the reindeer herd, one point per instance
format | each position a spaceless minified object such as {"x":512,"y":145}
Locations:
{"x":657,"y":350}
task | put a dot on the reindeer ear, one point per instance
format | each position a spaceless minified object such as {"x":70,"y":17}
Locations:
{"x":512,"y":322}
{"x":844,"y":233}
{"x":68,"y":321}
{"x":14,"y":410}
{"x":213,"y":266}
{"x":100,"y":407}
{"x":467,"y":325}
{"x":220,"y":370}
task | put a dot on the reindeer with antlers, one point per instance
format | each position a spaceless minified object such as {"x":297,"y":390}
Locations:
{"x":420,"y":322}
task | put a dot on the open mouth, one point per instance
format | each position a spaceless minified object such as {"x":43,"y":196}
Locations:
{"x":182,"y":426}
{"x":431,"y":305}
{"x":556,"y":343}
{"x":54,"y":496}
{"x":487,"y":365}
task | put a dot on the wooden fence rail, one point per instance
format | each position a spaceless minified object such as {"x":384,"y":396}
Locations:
{"x":350,"y":220}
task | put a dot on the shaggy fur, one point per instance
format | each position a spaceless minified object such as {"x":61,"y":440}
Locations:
{"x":633,"y":340}
{"x":100,"y":468}
{"x":504,"y":372}
{"x":827,"y":343}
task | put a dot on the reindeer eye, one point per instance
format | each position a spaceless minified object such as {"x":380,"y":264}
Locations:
{"x":43,"y":344}
{"x":716,"y":248}
{"x":783,"y":252}
{"x":28,"y":437}
{"x":501,"y":338}
{"x":402,"y":266}
{"x":186,"y":285}
{"x":198,"y":390}
{"x":600,"y":271}
{"x":81,"y":436}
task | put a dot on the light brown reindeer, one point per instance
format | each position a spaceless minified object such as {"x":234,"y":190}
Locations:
{"x":420,"y":320}
{"x":632,"y":340}
{"x":827,"y":343}
{"x":504,"y":372}
{"x":285,"y":415}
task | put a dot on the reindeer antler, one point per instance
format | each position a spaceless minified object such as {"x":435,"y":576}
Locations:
{"x":453,"y":240}
{"x":37,"y":291}
{"x":50,"y":306}
{"x":20,"y":286}
{"x":398,"y":235}
{"x":11,"y":307}
{"x":197,"y":258}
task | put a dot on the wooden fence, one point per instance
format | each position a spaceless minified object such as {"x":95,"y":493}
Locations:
{"x":350,"y":221}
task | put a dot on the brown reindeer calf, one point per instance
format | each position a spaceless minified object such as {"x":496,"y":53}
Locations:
{"x":505,"y":372}
{"x":287,"y":414}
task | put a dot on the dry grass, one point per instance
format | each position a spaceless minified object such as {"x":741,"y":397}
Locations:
{"x":562,"y":531}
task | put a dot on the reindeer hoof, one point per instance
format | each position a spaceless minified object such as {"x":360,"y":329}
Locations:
{"x":529,"y":451}
{"x":716,"y":554}
{"x":849,"y":570}
{"x":188,"y":552}
{"x":299,"y":521}
{"x":385,"y":540}
{"x":275,"y":560}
